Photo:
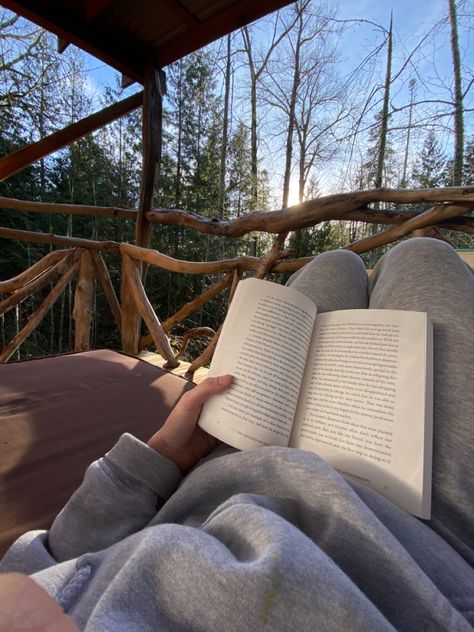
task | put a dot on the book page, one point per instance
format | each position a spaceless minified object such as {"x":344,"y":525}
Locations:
{"x":263,"y":344}
{"x":363,"y":402}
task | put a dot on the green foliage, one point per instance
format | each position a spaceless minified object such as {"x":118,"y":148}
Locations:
{"x":431,"y":166}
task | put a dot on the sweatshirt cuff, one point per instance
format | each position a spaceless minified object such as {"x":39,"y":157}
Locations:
{"x":145,"y":464}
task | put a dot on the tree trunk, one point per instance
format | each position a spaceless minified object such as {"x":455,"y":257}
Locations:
{"x":411,"y":85}
{"x":458,"y":99}
{"x":225,"y":132}
{"x":291,"y":113}
{"x":385,"y":115}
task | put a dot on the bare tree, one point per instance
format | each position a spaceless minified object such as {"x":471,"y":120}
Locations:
{"x":458,"y":98}
{"x":256,"y":69}
{"x":18,"y":44}
{"x":225,"y":128}
{"x":308,"y":96}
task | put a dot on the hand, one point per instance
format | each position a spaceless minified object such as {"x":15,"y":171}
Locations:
{"x":180,"y":439}
{"x":24,"y":605}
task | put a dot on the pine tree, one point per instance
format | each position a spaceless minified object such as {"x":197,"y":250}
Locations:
{"x":430,"y":168}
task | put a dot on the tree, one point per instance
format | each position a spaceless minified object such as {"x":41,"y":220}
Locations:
{"x":430,"y":167}
{"x":225,"y":128}
{"x":469,"y":163}
{"x":19,"y":41}
{"x":257,"y":64}
{"x":458,"y":97}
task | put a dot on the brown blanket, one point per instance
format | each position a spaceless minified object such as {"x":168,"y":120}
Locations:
{"x":59,"y":414}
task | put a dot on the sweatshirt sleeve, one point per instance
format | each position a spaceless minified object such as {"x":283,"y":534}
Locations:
{"x":120,"y":494}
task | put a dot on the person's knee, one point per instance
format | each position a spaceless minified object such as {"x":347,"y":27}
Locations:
{"x":332,"y":259}
{"x":335,"y":258}
{"x":422,"y":249}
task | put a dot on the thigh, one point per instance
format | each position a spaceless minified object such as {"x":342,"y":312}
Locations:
{"x":334,"y":280}
{"x":427,"y":275}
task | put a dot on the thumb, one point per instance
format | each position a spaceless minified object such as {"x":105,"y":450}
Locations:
{"x":194,"y":399}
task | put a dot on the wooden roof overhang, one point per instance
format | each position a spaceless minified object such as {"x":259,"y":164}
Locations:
{"x":131,"y":35}
{"x":136,"y":38}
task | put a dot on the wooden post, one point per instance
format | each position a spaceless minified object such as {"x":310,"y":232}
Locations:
{"x":154,"y":89}
{"x":103,"y":275}
{"x":137,"y":291}
{"x":83,"y":298}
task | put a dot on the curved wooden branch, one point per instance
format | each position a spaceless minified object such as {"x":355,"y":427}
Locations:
{"x":273,"y":256}
{"x":45,"y":238}
{"x":189,"y":308}
{"x":35,"y":318}
{"x":189,"y":267}
{"x":235,"y":281}
{"x":428,"y":218}
{"x":10,"y":285}
{"x":205,"y":357}
{"x":197,"y":332}
{"x":66,"y":209}
{"x":376,"y":216}
{"x":103,"y":275}
{"x":310,"y":212}
{"x":37,"y":284}
{"x":147,"y":312}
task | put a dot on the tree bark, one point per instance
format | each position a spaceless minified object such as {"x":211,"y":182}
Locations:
{"x":458,"y":162}
{"x":82,"y":312}
{"x":225,"y":132}
{"x":385,"y":113}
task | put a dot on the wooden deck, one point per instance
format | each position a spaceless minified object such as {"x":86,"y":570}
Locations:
{"x":157,"y":360}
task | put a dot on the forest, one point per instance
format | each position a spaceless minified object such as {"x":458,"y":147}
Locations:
{"x":270,"y":116}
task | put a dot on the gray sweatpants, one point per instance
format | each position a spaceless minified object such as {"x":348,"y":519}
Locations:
{"x":426,"y":275}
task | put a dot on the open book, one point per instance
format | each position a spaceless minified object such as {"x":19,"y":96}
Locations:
{"x":353,"y":386}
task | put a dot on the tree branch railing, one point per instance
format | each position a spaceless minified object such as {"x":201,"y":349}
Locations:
{"x":82,"y":259}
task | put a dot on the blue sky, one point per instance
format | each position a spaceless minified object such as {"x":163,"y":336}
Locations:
{"x":412,"y":20}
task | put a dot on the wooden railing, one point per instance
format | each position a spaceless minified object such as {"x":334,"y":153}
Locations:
{"x":83,"y":261}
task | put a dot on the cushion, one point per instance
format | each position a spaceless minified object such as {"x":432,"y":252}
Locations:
{"x":59,"y":414}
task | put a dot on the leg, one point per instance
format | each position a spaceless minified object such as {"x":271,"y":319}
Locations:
{"x":427,"y":275}
{"x":334,"y":280}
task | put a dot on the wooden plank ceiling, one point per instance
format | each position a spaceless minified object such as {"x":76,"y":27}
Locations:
{"x":129,"y":34}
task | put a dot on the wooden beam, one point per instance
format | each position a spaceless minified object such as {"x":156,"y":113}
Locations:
{"x":151,"y":147}
{"x":341,"y":206}
{"x":182,"y":12}
{"x":62,"y":44}
{"x":43,"y":238}
{"x":111,"y":45}
{"x":93,"y":8}
{"x":237,"y":15}
{"x":25,"y":156}
{"x":66,"y":209}
{"x":130,"y":321}
{"x":126,"y":82}
{"x":154,"y":90}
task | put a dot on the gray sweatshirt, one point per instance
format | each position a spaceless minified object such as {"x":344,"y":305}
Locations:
{"x":267,"y":539}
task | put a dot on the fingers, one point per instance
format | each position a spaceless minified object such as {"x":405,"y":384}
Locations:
{"x":193,"y":400}
{"x":24,"y":605}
